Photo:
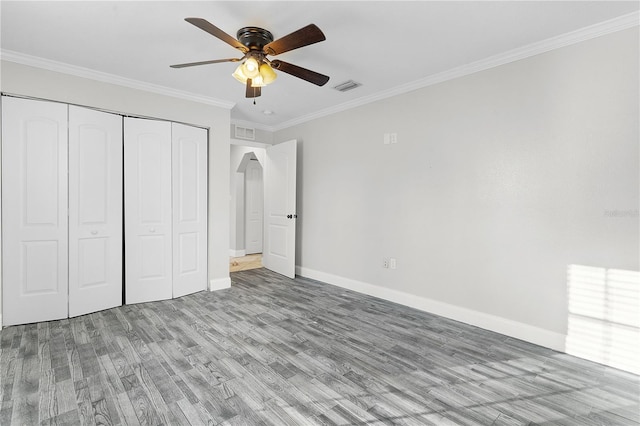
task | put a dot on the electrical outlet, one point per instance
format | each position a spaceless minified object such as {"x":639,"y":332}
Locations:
{"x":392,"y":263}
{"x":390,"y":138}
{"x":385,"y":262}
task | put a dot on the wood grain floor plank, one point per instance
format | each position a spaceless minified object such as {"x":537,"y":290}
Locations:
{"x":6,"y":411}
{"x":25,"y":410}
{"x":48,"y":406}
{"x":142,"y":405}
{"x":126,"y":410}
{"x":8,"y":361}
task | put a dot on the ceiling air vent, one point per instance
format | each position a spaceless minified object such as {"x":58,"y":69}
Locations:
{"x":245,"y":133}
{"x":347,"y":85}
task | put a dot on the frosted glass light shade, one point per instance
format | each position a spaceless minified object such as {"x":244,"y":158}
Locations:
{"x":239,"y":75}
{"x":250,"y":68}
{"x":267,"y":73}
{"x":258,"y":81}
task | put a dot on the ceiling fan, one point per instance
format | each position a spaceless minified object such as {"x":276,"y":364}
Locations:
{"x":256,"y":70}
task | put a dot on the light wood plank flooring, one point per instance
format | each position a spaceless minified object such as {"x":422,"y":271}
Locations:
{"x":244,"y":263}
{"x":271,"y":350}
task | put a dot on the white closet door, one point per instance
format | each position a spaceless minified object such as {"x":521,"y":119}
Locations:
{"x":147,"y":182}
{"x":189,"y":209}
{"x":34,"y":213}
{"x":95,"y":211}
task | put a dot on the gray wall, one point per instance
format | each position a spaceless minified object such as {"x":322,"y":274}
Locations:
{"x":34,"y":82}
{"x":499,"y":182}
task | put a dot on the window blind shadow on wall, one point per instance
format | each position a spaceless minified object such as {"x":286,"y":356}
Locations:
{"x":604,"y":316}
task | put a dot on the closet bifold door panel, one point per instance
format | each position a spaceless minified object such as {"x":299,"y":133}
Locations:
{"x":147,"y":218}
{"x":34,"y":211}
{"x":95,"y":211}
{"x":189,"y":152}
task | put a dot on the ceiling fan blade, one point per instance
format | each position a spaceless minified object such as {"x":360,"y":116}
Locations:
{"x":207,"y":26}
{"x":215,"y":61}
{"x":252,"y":92}
{"x":303,"y":73}
{"x":303,"y":37}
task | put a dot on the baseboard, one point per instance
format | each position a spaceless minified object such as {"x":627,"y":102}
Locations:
{"x":219,"y":284}
{"x":237,"y":253}
{"x":494,"y":323}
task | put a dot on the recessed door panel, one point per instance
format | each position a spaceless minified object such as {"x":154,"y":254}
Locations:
{"x":278,"y":241}
{"x":152,"y":196}
{"x":188,"y":252}
{"x":95,"y":210}
{"x":152,"y":248}
{"x":148,"y":236}
{"x":93,"y":171}
{"x":34,"y":214}
{"x":93,"y":262}
{"x":42,"y":174}
{"x":188,"y":182}
{"x":254,"y":207}
{"x":189,"y":147}
{"x":39,"y":266}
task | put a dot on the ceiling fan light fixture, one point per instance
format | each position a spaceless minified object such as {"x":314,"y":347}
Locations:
{"x":258,"y":81}
{"x":267,"y":73}
{"x":250,"y":67}
{"x":239,"y":75}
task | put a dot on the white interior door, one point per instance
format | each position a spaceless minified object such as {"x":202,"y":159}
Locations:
{"x":34,"y":214}
{"x":189,"y":151}
{"x":95,"y":210}
{"x":280,"y":209}
{"x":147,"y":182}
{"x":254,"y":207}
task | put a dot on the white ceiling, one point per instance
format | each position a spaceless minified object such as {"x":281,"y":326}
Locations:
{"x":382,"y":44}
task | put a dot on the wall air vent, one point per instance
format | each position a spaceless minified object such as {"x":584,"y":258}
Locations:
{"x":347,"y":85}
{"x":245,"y":133}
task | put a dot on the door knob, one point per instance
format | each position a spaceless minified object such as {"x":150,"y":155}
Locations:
{"x":289,"y":216}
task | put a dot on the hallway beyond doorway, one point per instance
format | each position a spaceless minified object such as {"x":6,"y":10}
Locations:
{"x":244,"y":263}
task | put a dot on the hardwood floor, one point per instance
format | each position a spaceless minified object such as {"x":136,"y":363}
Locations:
{"x":271,"y":350}
{"x":244,"y":263}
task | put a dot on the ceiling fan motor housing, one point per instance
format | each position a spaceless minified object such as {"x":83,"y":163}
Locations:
{"x":254,"y":38}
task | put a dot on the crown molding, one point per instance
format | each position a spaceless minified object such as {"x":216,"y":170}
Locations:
{"x":597,"y":30}
{"x":47,"y":64}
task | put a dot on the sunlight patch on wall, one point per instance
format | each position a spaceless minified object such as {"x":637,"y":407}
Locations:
{"x":604,"y":316}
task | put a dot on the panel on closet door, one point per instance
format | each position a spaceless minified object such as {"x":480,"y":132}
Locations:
{"x":34,"y":211}
{"x":95,"y":210}
{"x":189,"y":209}
{"x":147,"y":183}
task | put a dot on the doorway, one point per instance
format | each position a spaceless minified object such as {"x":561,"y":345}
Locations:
{"x":247,"y":208}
